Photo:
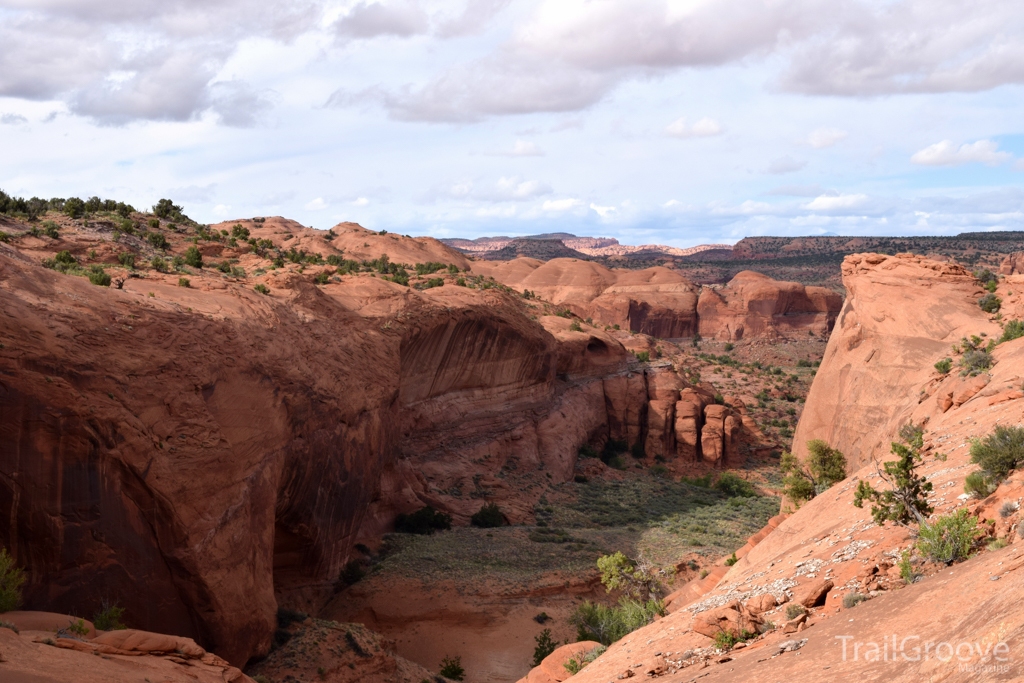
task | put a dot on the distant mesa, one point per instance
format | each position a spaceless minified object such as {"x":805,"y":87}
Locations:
{"x":571,"y":246}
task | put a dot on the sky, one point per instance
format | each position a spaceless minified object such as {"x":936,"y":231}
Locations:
{"x":676,"y":122}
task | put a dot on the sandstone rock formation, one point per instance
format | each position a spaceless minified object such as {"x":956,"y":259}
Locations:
{"x":662,"y":303}
{"x":1013,"y":264}
{"x":901,"y":316}
{"x":755,"y":306}
{"x":206,"y":453}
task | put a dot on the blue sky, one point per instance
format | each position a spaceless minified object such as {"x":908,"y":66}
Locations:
{"x":670,"y":121}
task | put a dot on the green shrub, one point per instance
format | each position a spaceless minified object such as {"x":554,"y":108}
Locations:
{"x":78,"y":627}
{"x":731,"y":560}
{"x":999,"y":453}
{"x":824,"y":468}
{"x":322,"y":277}
{"x":643,"y":356}
{"x":944,"y":366}
{"x":158,"y":264}
{"x":4,"y":237}
{"x":794,"y":610}
{"x":352,"y":573}
{"x":50,"y":230}
{"x":729,"y":347}
{"x":109,"y":617}
{"x":587,"y":451}
{"x":451,"y":667}
{"x":990,"y":303}
{"x":424,"y":521}
{"x":1013,"y":329}
{"x":429,"y":267}
{"x":803,"y":363}
{"x":98,"y":277}
{"x":433,"y":282}
{"x":906,"y":499}
{"x":157,"y":239}
{"x":11,"y":580}
{"x":974,"y":361}
{"x":950,"y":538}
{"x":239,"y":232}
{"x":580,"y":660}
{"x":734,"y":486}
{"x":184,"y":282}
{"x":906,"y":567}
{"x":74,"y":207}
{"x":193,"y":258}
{"x":262,"y":288}
{"x":984,"y":276}
{"x":851,"y":600}
{"x":545,"y":646}
{"x":575,"y":326}
{"x":488,"y":517}
{"x":727,"y":640}
{"x":127,"y":260}
{"x":978,"y":485}
{"x":606,"y":624}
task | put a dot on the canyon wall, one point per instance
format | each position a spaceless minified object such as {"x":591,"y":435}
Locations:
{"x":662,"y":303}
{"x":202,"y":454}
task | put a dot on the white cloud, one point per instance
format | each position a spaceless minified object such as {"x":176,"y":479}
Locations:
{"x":946,"y":153}
{"x":785,"y":164}
{"x":361,"y":201}
{"x":826,"y":137}
{"x":603,"y":211}
{"x":522,"y":148}
{"x":560,"y":204}
{"x":12,"y":119}
{"x":317,"y":204}
{"x":705,"y":127}
{"x":835,"y":202}
{"x":372,"y":19}
{"x":221,"y":209}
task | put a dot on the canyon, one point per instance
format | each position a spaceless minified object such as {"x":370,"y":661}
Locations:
{"x":210,"y":449}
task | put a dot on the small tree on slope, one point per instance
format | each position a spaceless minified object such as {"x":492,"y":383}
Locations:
{"x":906,"y":500}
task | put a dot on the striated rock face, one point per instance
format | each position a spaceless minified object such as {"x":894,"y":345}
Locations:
{"x":901,"y":315}
{"x":1013,"y":264}
{"x":662,"y":303}
{"x":205,"y":454}
{"x":755,"y":306}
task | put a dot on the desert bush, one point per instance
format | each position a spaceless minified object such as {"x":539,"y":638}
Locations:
{"x":489,"y":516}
{"x":1008,"y":508}
{"x":193,"y":258}
{"x":109,"y":617}
{"x":587,"y":451}
{"x":607,"y":624}
{"x":950,"y":539}
{"x":974,"y":361}
{"x":433,"y":282}
{"x":731,"y":560}
{"x":351,"y":574}
{"x":734,"y":486}
{"x":62,"y":262}
{"x":11,"y":580}
{"x":635,"y":578}
{"x":803,"y":363}
{"x":1013,"y":329}
{"x":999,"y":453}
{"x":643,"y":356}
{"x":74,"y":207}
{"x":262,"y":288}
{"x":50,"y":230}
{"x":727,"y":640}
{"x":575,"y":326}
{"x":824,"y":468}
{"x":990,"y":303}
{"x":98,"y":276}
{"x":167,"y":209}
{"x":184,"y":282}
{"x":127,"y":260}
{"x":545,"y":646}
{"x":239,"y":232}
{"x":978,"y":485}
{"x":545,"y":535}
{"x":322,"y":278}
{"x":851,"y":600}
{"x":580,"y":660}
{"x":424,"y":521}
{"x":429,"y":267}
{"x":451,"y":667}
{"x":944,"y":366}
{"x":158,"y":240}
{"x":794,"y":610}
{"x":158,"y":264}
{"x":984,"y":276}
